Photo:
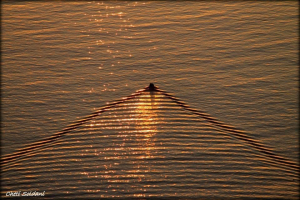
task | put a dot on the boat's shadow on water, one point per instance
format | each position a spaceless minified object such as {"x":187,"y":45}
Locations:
{"x":150,"y":144}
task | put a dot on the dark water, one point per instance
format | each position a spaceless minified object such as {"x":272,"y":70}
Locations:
{"x":237,"y":61}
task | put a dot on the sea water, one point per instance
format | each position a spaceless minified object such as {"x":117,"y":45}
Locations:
{"x":237,"y":61}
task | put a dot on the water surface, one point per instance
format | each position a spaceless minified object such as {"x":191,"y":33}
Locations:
{"x":237,"y":61}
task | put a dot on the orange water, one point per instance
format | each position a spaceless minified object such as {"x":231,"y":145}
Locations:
{"x":237,"y":61}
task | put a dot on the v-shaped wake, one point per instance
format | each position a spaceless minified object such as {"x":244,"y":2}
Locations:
{"x":231,"y":131}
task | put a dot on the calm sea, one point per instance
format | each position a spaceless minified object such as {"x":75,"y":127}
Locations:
{"x":236,"y":61}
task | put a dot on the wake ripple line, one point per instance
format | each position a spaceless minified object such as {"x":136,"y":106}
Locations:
{"x":40,"y":144}
{"x":228,"y":130}
{"x":232,"y":131}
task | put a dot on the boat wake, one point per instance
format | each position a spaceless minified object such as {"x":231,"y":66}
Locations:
{"x":153,"y":142}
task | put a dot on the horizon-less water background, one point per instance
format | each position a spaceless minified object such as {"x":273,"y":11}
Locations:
{"x":237,"y":61}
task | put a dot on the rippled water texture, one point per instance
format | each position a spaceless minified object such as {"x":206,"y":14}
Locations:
{"x":149,"y":144}
{"x":232,"y":132}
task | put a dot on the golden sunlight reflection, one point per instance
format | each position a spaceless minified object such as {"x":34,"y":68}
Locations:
{"x":127,"y":155}
{"x":146,"y":129}
{"x":146,"y":123}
